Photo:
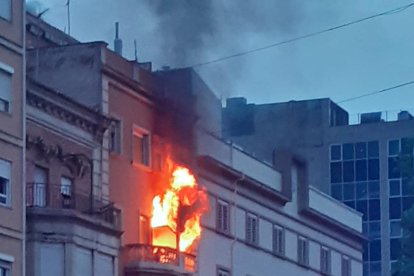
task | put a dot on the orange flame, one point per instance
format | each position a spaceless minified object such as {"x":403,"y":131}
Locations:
{"x":183,"y":194}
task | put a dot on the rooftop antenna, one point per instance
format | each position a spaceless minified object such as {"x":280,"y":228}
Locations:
{"x":117,"y":41}
{"x":135,"y":50}
{"x":68,"y":7}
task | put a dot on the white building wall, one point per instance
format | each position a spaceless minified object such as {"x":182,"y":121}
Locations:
{"x":218,"y":250}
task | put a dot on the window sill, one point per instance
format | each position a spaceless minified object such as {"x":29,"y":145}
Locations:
{"x":6,"y":206}
{"x":141,"y":166}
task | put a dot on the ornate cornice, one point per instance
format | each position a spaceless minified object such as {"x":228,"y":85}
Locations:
{"x":96,"y":128}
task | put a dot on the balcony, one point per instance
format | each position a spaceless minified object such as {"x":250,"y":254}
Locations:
{"x":143,"y":259}
{"x":63,"y":197}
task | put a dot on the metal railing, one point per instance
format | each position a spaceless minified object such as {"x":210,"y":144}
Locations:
{"x":136,"y":253}
{"x":57,"y":196}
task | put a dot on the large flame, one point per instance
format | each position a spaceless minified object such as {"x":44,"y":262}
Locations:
{"x":178,"y":210}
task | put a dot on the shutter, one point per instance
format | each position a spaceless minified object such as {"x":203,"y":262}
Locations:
{"x":104,"y":265}
{"x":82,"y":262}
{"x":249,"y":229}
{"x":219,"y":216}
{"x":225,"y":225}
{"x":52,"y":260}
{"x":5,"y":169}
{"x":5,"y":86}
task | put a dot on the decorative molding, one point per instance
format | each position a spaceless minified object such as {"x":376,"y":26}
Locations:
{"x":76,"y":163}
{"x":97,"y":129}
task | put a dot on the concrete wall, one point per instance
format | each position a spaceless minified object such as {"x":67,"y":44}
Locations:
{"x":72,"y":70}
{"x":231,"y":251}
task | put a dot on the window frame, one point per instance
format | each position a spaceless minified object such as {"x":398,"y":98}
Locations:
{"x":115,"y":143}
{"x":147,"y":234}
{"x":222,"y":271}
{"x":252,"y":239}
{"x":6,"y":262}
{"x":10,"y":19}
{"x":278,"y":238}
{"x":7,"y":70}
{"x":221,"y":226}
{"x":8,"y":195}
{"x":325,"y":265}
{"x":63,"y":189}
{"x":303,"y":251}
{"x":141,"y":133}
{"x":346,"y":266}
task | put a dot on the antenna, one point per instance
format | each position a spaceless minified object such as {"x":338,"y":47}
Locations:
{"x":68,"y":5}
{"x":117,"y":41}
{"x":135,"y":50}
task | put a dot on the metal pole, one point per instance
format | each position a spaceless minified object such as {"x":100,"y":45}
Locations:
{"x":68,"y":5}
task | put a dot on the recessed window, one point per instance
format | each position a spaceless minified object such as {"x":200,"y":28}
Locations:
{"x":39,"y":186}
{"x":66,"y":184}
{"x":144,"y":230}
{"x":252,"y":227}
{"x":115,"y":137}
{"x":6,"y":9}
{"x":223,"y":272}
{"x":278,"y":240}
{"x":5,"y":89}
{"x":5,"y":187}
{"x":348,"y":151}
{"x":346,"y":266}
{"x":325,"y":260}
{"x":303,"y":251}
{"x":141,"y":147}
{"x":223,"y":216}
{"x":4,"y":269}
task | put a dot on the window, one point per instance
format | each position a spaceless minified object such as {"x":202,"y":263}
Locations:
{"x":144,"y":230}
{"x":395,"y":229}
{"x":5,"y":88}
{"x":278,"y":240}
{"x":4,"y":271}
{"x":252,"y":227}
{"x":335,"y":152}
{"x":66,"y":186}
{"x":141,"y":147}
{"x":115,"y":137}
{"x":325,"y":260}
{"x":346,"y":266}
{"x":39,"y":186}
{"x":303,"y":251}
{"x":222,"y":216}
{"x":6,"y":11}
{"x":223,"y":272}
{"x":5,"y":187}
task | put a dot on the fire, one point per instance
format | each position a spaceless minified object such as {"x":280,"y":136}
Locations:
{"x":178,"y":210}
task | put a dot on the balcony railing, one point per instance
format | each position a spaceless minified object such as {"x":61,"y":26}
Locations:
{"x":58,"y":196}
{"x":135,"y":255}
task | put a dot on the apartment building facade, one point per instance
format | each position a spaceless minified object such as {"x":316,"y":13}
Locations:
{"x":174,"y":114}
{"x":70,"y":228}
{"x":356,"y":163}
{"x":12,"y":133}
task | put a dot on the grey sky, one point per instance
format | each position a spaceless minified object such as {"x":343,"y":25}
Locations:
{"x":348,"y":62}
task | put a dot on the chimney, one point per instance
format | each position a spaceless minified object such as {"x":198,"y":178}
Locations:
{"x":117,"y":41}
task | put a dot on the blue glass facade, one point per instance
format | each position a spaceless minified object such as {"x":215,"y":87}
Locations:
{"x":401,"y":196}
{"x":355,"y":180}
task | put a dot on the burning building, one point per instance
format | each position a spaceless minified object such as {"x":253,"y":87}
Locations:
{"x":212,"y":208}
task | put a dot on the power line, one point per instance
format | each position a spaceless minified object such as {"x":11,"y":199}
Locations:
{"x":378,"y":92}
{"x":389,"y":12}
